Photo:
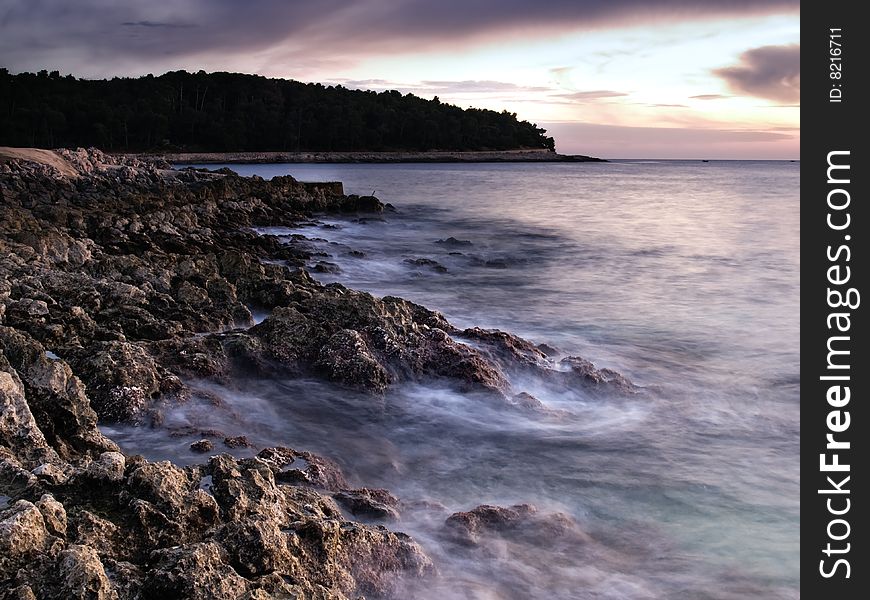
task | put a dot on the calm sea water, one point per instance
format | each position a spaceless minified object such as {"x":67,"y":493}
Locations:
{"x":682,"y":275}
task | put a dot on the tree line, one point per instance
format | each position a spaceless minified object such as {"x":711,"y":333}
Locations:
{"x":233,"y":112}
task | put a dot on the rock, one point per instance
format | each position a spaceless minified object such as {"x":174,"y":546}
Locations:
{"x":82,"y":576}
{"x":345,"y":358}
{"x":53,"y":515}
{"x":57,"y":398}
{"x":121,"y":379}
{"x":257,"y":546}
{"x":521,"y":522}
{"x":22,"y":592}
{"x":527,"y":401}
{"x":195,"y":572}
{"x":202,"y":446}
{"x":326,"y":267}
{"x":369,"y":503}
{"x":427,"y":262}
{"x":583,"y":372}
{"x":23,"y":536}
{"x":18,"y":429}
{"x":452,"y":242}
{"x":109,"y":467}
{"x":238,"y":441}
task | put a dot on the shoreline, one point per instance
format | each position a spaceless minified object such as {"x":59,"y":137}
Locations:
{"x":499,"y":156}
{"x":127,"y":285}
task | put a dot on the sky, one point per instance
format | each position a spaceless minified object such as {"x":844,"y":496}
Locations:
{"x":608,"y":78}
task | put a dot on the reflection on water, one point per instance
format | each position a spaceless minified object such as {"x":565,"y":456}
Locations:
{"x":682,"y":275}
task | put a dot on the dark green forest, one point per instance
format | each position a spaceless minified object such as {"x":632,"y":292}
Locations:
{"x":226,"y":112}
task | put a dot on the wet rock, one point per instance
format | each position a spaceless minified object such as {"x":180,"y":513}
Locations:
{"x":521,"y":522}
{"x":121,"y":379}
{"x":583,"y":372}
{"x":202,"y":446}
{"x":346,"y":358}
{"x":506,"y":349}
{"x":527,"y":401}
{"x":452,"y":242}
{"x":369,"y":503}
{"x":326,"y":267}
{"x":428,"y":263}
{"x":548,"y":350}
{"x":239,"y":441}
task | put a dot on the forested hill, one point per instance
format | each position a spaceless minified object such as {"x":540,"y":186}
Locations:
{"x":225,"y":112}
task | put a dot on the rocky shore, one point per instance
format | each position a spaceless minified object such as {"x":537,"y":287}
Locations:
{"x":122,"y":281}
{"x":501,"y":156}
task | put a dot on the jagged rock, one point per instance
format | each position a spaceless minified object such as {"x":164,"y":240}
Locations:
{"x":427,"y":262}
{"x":202,"y":446}
{"x":527,"y":401}
{"x":452,"y":242}
{"x":519,"y":522}
{"x":583,"y":372}
{"x":369,"y":503}
{"x":18,"y":429}
{"x":23,"y":536}
{"x":196,"y":572}
{"x":53,"y":514}
{"x":326,"y":267}
{"x":346,"y":358}
{"x":81,"y":575}
{"x":109,"y":467}
{"x":238,"y":441}
{"x":56,"y":397}
{"x":121,"y":379}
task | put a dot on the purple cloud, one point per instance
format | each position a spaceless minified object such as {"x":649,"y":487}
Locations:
{"x":139,"y":36}
{"x":770,"y":72}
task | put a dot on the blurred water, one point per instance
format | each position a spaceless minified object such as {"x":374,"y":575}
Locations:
{"x":682,"y":275}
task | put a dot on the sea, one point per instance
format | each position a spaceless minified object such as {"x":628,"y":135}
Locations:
{"x":681,"y":275}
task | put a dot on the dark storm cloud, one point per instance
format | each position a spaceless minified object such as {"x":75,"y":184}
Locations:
{"x":770,"y":72}
{"x":143,"y":33}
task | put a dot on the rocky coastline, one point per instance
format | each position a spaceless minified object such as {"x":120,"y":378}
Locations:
{"x":494,"y":156}
{"x":123,"y":280}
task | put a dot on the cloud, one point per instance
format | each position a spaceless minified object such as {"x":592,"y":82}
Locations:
{"x":138,"y":36}
{"x":591,"y":95}
{"x":709,"y":97}
{"x":769,"y":72}
{"x":153,"y":24}
{"x":471,"y":86}
{"x":668,"y":105}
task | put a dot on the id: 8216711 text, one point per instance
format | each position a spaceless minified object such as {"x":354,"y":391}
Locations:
{"x":835,"y":68}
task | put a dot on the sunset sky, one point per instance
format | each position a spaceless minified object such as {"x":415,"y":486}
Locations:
{"x":611,"y":78}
